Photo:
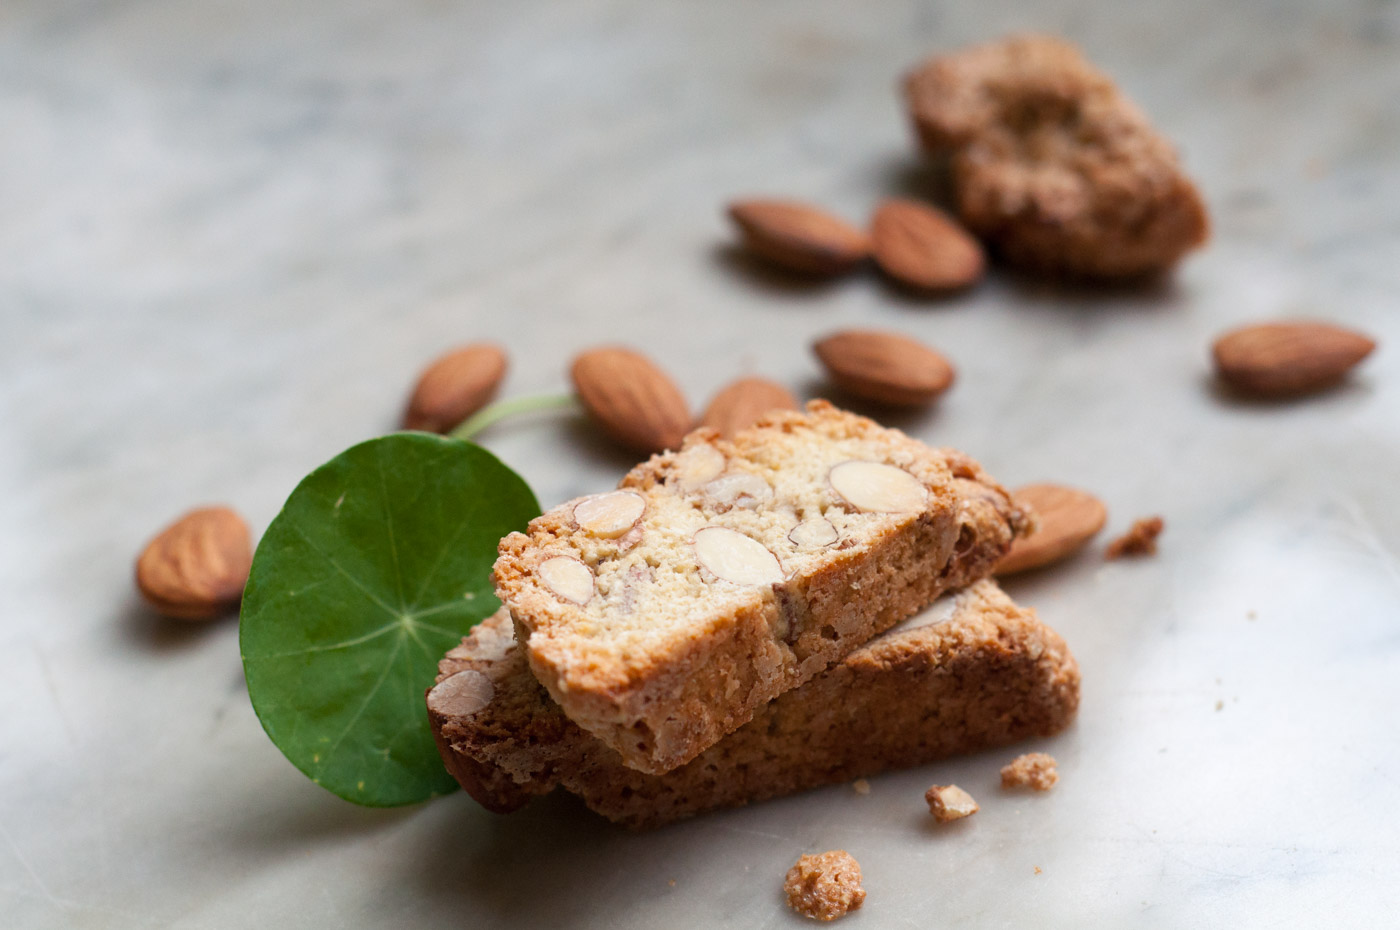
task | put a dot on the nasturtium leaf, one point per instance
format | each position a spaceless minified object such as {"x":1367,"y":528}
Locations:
{"x":378,"y":564}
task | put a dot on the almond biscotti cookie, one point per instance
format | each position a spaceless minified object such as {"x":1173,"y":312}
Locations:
{"x":661,"y":615}
{"x":972,"y":672}
{"x":1052,"y":163}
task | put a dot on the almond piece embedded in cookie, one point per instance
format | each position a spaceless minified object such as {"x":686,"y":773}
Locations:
{"x":815,"y":533}
{"x":696,"y":466}
{"x":741,"y":403}
{"x":799,"y":237}
{"x":568,"y":578}
{"x":923,"y":248}
{"x":461,"y":695}
{"x":732,"y":556}
{"x":874,"y":487}
{"x":888,"y":368}
{"x":1066,"y":519}
{"x":737,"y":489}
{"x":609,"y":515}
{"x":1288,"y":358}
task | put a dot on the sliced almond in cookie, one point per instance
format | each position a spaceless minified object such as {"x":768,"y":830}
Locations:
{"x":799,"y":237}
{"x":738,"y":489}
{"x":462,"y":695}
{"x":568,"y":578}
{"x":609,"y":515}
{"x":815,"y":533}
{"x":1067,"y":519}
{"x":732,"y":556}
{"x":878,"y":488}
{"x":696,"y":466}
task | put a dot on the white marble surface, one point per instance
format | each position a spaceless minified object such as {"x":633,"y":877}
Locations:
{"x":232,"y":231}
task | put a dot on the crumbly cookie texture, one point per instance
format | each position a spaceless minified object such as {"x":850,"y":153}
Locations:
{"x":1141,"y":539}
{"x":1052,"y":163}
{"x":949,"y":802}
{"x":972,"y":672}
{"x":661,"y":615}
{"x":825,"y":886}
{"x":1035,"y":770}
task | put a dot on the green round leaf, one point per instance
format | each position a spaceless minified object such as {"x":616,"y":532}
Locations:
{"x":378,"y":564}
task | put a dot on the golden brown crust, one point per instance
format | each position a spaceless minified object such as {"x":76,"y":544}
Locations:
{"x":666,"y":658}
{"x":973,"y":672}
{"x":1052,"y":163}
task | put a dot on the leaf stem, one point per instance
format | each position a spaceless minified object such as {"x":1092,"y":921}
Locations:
{"x":502,"y":409}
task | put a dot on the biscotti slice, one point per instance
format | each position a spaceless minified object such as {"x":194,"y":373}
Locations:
{"x":972,"y":672}
{"x":1052,"y":163}
{"x":661,"y":615}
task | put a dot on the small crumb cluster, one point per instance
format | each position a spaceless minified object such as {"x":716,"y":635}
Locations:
{"x":949,"y":802}
{"x":1032,"y":770}
{"x":825,"y":886}
{"x":1140,"y":540}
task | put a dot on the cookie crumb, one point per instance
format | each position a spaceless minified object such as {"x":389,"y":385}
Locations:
{"x":949,"y":802}
{"x":1032,"y":770}
{"x":1219,"y":705}
{"x":1037,"y":870}
{"x":1140,"y":540}
{"x":861,"y":786}
{"x":826,"y":886}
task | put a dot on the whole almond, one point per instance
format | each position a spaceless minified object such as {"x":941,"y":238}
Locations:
{"x":197,"y":567}
{"x":799,"y":237}
{"x":631,"y":399}
{"x":1066,"y":520}
{"x":923,"y":248}
{"x":1288,"y":358}
{"x":454,"y":387}
{"x":739,"y":405}
{"x":884,"y":367}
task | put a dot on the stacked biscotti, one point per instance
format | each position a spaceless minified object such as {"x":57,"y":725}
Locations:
{"x":719,"y":629}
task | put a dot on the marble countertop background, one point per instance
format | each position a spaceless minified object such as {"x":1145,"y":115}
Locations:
{"x":232,"y":232}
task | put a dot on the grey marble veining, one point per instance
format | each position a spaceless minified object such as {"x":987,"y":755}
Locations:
{"x":230,"y":234}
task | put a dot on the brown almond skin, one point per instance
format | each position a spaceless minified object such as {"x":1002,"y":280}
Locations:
{"x":631,"y":399}
{"x":799,"y":237}
{"x":1067,"y":519}
{"x":924,"y":249}
{"x":455,"y":386}
{"x":1288,"y":358}
{"x":740,"y":404}
{"x":197,"y":567}
{"x":888,"y":368}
